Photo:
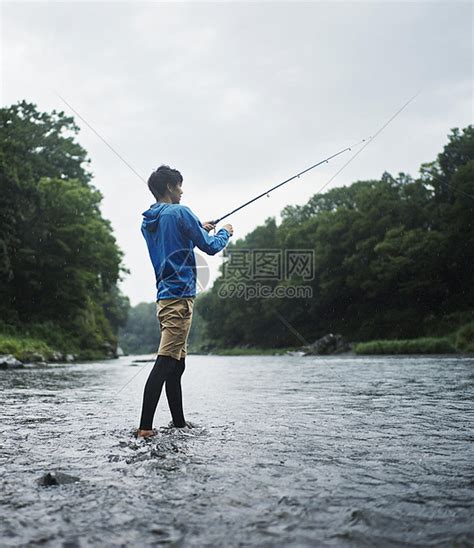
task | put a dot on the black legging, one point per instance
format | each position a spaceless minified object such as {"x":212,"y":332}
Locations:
{"x":169,"y":370}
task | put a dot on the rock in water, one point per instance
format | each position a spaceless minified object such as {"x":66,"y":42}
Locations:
{"x":57,"y":356}
{"x":329,"y":344}
{"x":7,"y":361}
{"x":109,"y":349}
{"x":56,"y":478}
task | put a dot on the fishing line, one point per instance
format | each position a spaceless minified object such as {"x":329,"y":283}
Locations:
{"x":370,"y":139}
{"x":287,"y":324}
{"x":366,"y":141}
{"x":437,"y":178}
{"x":100,"y":137}
{"x":131,"y":379}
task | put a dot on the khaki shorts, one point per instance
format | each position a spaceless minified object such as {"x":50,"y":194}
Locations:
{"x":175,"y":316}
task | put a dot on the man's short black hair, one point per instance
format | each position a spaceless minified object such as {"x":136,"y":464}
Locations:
{"x":161,"y":178}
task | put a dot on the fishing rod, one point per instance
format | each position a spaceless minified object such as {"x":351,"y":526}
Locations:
{"x":366,"y":141}
{"x":267,"y":192}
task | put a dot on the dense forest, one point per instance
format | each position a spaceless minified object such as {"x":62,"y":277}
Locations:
{"x":59,"y":261}
{"x":393,"y":258}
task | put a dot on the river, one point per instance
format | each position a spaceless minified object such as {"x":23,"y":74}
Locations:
{"x":285,"y":451}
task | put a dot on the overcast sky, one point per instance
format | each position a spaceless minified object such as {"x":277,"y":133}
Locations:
{"x":239,"y":96}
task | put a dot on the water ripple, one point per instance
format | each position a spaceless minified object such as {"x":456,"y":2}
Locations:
{"x":285,"y":451}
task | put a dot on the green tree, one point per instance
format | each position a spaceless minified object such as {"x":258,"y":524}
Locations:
{"x":141,"y":333}
{"x":59,"y":260}
{"x":390,"y":255}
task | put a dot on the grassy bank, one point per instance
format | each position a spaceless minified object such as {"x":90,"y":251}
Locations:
{"x":24,"y":348}
{"x":425,"y":345}
{"x":30,"y":348}
{"x":464,"y":339}
{"x":461,"y":340}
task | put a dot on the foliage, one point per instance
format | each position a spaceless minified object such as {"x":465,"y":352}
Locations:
{"x":393,"y":259}
{"x":425,"y":345}
{"x":198,"y":341}
{"x":141,"y":333}
{"x":59,"y":261}
{"x":465,"y":338}
{"x":23,"y":347}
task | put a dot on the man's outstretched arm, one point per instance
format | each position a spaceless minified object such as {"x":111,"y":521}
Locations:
{"x":200,"y":238}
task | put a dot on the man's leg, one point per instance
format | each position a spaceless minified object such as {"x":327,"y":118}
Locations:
{"x":158,"y":375}
{"x":174,"y":393}
{"x":174,"y":316}
{"x":184,"y":310}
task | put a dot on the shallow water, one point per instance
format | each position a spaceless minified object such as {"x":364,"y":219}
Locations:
{"x":286,"y":451}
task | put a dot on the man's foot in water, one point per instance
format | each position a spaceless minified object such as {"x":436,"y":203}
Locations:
{"x":185,"y":425}
{"x":145,"y":433}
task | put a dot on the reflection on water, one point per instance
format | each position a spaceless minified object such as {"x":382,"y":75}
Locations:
{"x":338,"y":451}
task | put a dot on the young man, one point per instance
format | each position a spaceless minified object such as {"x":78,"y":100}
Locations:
{"x":171,"y":232}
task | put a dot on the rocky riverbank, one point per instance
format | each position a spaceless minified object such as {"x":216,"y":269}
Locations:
{"x":9,"y":361}
{"x":18,"y":352}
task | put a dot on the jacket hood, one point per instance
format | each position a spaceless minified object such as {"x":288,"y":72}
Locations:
{"x":151,"y":216}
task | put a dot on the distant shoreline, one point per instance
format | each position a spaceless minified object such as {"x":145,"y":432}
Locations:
{"x":36,"y":351}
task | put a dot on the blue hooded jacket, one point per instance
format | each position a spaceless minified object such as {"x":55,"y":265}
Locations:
{"x":171,"y":232}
